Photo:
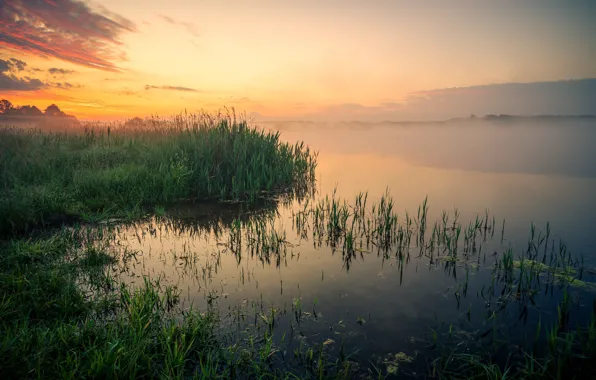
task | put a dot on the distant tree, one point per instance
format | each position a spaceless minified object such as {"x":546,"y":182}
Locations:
{"x":8,"y":109}
{"x":54,"y":111}
{"x":29,"y":111}
{"x":5,"y":106}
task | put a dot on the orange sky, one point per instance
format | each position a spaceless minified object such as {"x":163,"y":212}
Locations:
{"x":124,"y":58}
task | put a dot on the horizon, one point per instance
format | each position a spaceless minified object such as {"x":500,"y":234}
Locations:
{"x":398,"y":61}
{"x":260,"y":119}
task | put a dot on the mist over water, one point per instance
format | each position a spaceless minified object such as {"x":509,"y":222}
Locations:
{"x":522,"y":171}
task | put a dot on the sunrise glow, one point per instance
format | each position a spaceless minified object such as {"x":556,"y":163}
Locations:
{"x":114,"y":59}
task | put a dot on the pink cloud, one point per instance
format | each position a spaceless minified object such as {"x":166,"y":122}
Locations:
{"x":65,"y":29}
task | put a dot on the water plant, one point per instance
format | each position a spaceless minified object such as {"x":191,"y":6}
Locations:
{"x":93,"y":172}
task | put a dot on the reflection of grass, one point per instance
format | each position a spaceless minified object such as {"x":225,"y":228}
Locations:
{"x":52,"y":329}
{"x":65,"y":316}
{"x":105,"y":171}
{"x":516,"y":278}
{"x":95,"y":257}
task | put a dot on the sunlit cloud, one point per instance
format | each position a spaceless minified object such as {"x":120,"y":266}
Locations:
{"x":171,"y":88}
{"x":56,"y":71}
{"x":190,"y":27}
{"x":65,"y":29}
{"x":167,"y":19}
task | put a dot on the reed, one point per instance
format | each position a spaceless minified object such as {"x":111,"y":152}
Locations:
{"x":93,"y":172}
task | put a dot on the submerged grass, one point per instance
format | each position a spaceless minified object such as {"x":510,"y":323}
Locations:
{"x":51,"y":329}
{"x":93,"y":172}
{"x":546,"y":268}
{"x":60,"y":320}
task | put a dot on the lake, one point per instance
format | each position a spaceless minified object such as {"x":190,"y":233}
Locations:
{"x":393,"y":297}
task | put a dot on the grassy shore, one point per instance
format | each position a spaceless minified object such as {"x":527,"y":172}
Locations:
{"x":114,"y":171}
{"x":62,"y":313}
{"x":65,"y":317}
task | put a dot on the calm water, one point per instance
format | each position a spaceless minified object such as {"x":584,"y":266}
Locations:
{"x":377,"y":303}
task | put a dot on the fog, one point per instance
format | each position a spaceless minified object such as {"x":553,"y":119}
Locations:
{"x":555,"y":147}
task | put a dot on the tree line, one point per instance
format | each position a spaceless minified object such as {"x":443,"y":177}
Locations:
{"x":8,"y":109}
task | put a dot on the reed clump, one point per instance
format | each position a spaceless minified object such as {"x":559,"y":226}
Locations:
{"x":92,"y":171}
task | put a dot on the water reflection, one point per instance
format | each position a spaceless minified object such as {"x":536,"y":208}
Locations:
{"x":374,"y":275}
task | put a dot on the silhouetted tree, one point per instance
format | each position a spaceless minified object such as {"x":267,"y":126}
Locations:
{"x":5,"y":106}
{"x":54,"y":111}
{"x":29,"y":111}
{"x":8,"y":109}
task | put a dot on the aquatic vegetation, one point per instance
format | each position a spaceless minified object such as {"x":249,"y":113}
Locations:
{"x":393,"y":361}
{"x":97,"y":172}
{"x":58,"y":321}
{"x":513,"y":281}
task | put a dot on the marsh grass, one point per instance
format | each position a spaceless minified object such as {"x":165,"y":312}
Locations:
{"x":94,"y":172}
{"x":59,"y":320}
{"x":515,"y":282}
{"x":520,"y":279}
{"x":64,"y":312}
{"x":51,"y":329}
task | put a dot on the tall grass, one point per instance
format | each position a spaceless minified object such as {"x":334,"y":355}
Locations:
{"x":92,"y":171}
{"x":63,"y":315}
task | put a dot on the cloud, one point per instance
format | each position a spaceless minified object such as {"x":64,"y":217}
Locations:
{"x":130,"y":93}
{"x":190,"y":27}
{"x":564,"y":97}
{"x":12,"y":64}
{"x":567,"y":97}
{"x":56,"y":71}
{"x":65,"y":29}
{"x":167,"y":19}
{"x":126,"y":91}
{"x":66,"y":85}
{"x":172,"y":88}
{"x":10,"y":82}
{"x":17,"y":64}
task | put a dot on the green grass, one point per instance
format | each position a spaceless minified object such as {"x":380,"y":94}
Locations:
{"x":63,"y":311}
{"x":94,"y":172}
{"x":63,"y":315}
{"x":51,"y":329}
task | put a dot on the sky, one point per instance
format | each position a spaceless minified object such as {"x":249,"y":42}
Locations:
{"x":331,"y":60}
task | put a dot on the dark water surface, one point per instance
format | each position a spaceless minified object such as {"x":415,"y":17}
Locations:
{"x":380,"y":302}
